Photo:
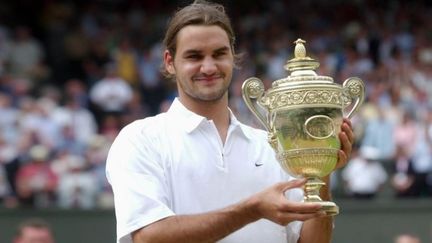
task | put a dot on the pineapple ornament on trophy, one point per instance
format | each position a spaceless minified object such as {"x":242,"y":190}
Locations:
{"x":303,"y":114}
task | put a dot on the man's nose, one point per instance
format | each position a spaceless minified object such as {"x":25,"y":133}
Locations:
{"x":208,"y":66}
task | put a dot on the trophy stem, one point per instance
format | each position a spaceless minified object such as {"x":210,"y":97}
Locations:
{"x":312,"y":189}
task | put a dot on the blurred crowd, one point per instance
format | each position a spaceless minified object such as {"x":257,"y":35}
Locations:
{"x":72,"y":74}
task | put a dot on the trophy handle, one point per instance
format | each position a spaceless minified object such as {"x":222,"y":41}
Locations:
{"x":353,"y":89}
{"x":253,"y":88}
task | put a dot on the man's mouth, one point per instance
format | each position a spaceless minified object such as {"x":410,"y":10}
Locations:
{"x":207,"y":79}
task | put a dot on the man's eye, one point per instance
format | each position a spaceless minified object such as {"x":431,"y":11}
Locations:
{"x":193,"y":57}
{"x":219,"y":54}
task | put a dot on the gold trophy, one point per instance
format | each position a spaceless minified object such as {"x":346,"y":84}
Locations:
{"x":303,"y":114}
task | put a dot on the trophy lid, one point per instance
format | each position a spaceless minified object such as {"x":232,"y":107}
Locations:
{"x":302,"y":69}
{"x":300,"y":60}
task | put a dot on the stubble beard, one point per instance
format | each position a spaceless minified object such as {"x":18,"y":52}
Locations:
{"x":194,"y":93}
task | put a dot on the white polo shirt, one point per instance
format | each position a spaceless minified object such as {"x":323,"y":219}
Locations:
{"x":175,"y":163}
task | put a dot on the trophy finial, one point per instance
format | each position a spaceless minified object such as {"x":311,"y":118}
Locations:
{"x":300,"y":49}
{"x":300,"y":60}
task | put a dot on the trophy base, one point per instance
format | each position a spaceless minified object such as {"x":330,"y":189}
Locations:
{"x":311,"y":189}
{"x":330,"y":208}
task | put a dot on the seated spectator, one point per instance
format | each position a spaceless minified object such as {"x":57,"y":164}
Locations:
{"x":36,"y":182}
{"x":422,"y":159}
{"x":364,"y":175}
{"x":26,"y":56}
{"x":96,"y":156}
{"x":111,"y":94}
{"x":79,"y":119}
{"x":379,"y":134}
{"x":77,"y":186}
{"x":4,"y":185}
{"x":404,"y":176}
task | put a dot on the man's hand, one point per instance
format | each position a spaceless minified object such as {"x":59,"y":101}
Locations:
{"x":346,"y":137}
{"x":272,"y":204}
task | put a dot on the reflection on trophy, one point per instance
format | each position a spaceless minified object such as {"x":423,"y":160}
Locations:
{"x":303,"y":114}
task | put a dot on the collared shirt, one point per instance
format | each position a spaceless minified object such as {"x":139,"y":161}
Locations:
{"x":176,"y":163}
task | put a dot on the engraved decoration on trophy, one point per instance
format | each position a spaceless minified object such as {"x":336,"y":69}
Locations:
{"x":303,"y":114}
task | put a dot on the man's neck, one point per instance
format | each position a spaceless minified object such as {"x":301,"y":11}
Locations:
{"x":217,"y":111}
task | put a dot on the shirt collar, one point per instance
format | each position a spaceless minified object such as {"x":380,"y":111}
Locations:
{"x":188,"y":119}
{"x":191,"y":121}
{"x":237,"y":125}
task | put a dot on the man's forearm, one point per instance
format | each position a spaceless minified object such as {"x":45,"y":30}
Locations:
{"x":199,"y":228}
{"x":318,"y":230}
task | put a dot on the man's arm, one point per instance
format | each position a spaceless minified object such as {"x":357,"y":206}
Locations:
{"x":270,"y":204}
{"x":205,"y":227}
{"x":319,"y":230}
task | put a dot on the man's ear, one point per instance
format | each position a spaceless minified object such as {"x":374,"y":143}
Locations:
{"x":169,"y":62}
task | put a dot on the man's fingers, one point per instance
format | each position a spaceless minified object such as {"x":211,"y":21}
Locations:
{"x":289,"y":217}
{"x":283,"y":186}
{"x":347,"y":121}
{"x":301,"y":207}
{"x":343,"y":159}
{"x":346,"y":143}
{"x":347,"y":129}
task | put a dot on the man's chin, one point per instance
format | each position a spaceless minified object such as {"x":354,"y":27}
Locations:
{"x":215,"y":97}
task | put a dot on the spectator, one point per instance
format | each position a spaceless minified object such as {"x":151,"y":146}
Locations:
{"x":36,"y":182}
{"x":36,"y":119}
{"x":34,"y":231}
{"x":136,"y":109}
{"x":151,"y":81}
{"x":110,"y":94}
{"x":406,"y":238}
{"x":9,"y":118}
{"x":379,"y":134}
{"x":76,"y":90}
{"x":404,"y":176}
{"x":79,"y":120}
{"x":96,"y":156}
{"x":126,"y":60}
{"x":4,"y":185}
{"x":422,"y":159}
{"x":26,"y":56}
{"x":4,"y":48}
{"x":8,"y":169}
{"x":77,"y":186}
{"x":364,"y":175}
{"x":406,"y":132}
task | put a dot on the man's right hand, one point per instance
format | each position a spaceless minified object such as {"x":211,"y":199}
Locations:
{"x":272,"y":204}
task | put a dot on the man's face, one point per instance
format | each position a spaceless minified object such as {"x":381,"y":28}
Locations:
{"x":203,"y":63}
{"x":34,"y":235}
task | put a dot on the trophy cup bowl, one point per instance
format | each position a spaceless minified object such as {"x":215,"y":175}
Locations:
{"x":303,"y":114}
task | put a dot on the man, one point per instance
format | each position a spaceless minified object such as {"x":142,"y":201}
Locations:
{"x":34,"y":231}
{"x":195,"y":173}
{"x":407,"y":238}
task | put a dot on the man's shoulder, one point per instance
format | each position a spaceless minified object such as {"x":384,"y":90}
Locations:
{"x":148,"y":125}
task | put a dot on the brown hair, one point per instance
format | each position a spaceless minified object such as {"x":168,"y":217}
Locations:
{"x":199,"y":12}
{"x":32,"y":223}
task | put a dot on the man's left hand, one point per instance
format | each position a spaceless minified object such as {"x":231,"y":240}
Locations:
{"x":346,"y":137}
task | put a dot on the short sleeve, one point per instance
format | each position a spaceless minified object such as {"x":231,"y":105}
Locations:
{"x":136,"y":174}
